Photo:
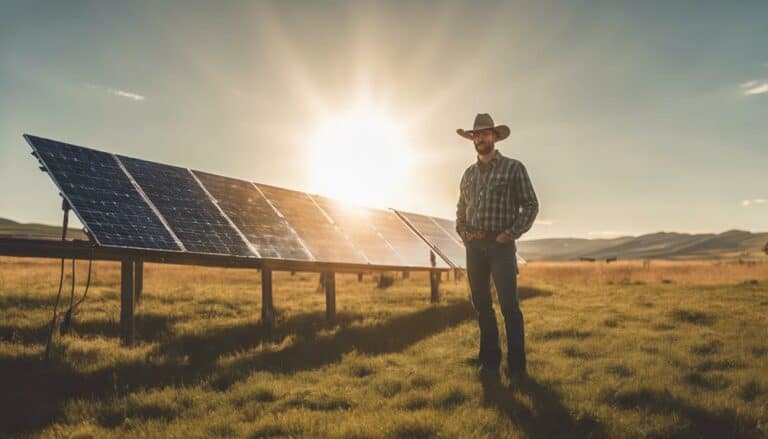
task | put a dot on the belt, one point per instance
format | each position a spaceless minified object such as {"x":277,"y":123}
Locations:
{"x":482,"y":234}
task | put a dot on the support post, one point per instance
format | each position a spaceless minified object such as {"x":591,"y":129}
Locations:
{"x":267,"y":306}
{"x":359,"y":277}
{"x":330,"y":296}
{"x":434,"y":279}
{"x":127,"y":325}
{"x":138,"y":279}
{"x":406,"y":274}
{"x":434,"y":286}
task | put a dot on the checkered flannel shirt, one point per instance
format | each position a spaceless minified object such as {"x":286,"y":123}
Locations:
{"x":496,"y":197}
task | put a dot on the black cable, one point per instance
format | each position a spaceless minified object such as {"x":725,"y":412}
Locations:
{"x":67,"y":322}
{"x":65,"y":207}
{"x":88,"y":280}
{"x":55,"y":306}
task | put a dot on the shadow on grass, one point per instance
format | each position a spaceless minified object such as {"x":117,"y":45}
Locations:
{"x":33,"y":394}
{"x":548,"y":418}
{"x":149,"y":327}
{"x":700,"y":423}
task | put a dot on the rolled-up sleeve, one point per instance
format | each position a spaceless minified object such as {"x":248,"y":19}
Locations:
{"x":527,"y":203}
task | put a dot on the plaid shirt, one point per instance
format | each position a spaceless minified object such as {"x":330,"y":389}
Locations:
{"x":496,"y":197}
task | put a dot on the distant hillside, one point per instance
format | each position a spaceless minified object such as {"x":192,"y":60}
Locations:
{"x":37,"y":231}
{"x":661,"y":245}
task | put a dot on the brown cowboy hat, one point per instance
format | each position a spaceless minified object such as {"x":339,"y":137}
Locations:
{"x":483,"y":121}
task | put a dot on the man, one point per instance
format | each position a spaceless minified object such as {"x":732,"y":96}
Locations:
{"x":497,"y":204}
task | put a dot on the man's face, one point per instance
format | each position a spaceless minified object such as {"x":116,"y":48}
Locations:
{"x":484,"y":140}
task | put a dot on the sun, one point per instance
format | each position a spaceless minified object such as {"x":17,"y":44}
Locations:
{"x":361,"y":156}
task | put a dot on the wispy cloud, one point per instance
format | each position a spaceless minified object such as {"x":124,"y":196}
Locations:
{"x":117,"y":92}
{"x":543,"y":222}
{"x":754,"y":87}
{"x":747,"y":203}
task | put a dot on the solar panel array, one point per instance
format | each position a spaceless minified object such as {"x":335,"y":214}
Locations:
{"x":132,"y":203}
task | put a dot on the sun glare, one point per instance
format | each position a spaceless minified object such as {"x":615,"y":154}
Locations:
{"x":362,"y":157}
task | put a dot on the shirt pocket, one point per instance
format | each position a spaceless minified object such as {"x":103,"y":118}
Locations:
{"x":499,"y":186}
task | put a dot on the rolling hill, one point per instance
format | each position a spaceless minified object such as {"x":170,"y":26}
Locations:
{"x":661,"y":245}
{"x":36,"y":231}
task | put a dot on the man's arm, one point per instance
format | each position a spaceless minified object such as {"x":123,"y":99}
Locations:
{"x":529,"y":204}
{"x":461,"y":210}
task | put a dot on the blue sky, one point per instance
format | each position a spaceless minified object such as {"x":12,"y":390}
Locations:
{"x":631,"y":117}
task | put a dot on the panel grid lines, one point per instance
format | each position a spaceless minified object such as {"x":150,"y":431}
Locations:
{"x":287,"y":224}
{"x":323,"y":239}
{"x":149,"y":203}
{"x":229,"y":220}
{"x":341,"y":230}
{"x":102,"y":196}
{"x":186,"y":207}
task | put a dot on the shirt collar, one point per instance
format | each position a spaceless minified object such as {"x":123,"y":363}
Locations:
{"x":496,"y":158}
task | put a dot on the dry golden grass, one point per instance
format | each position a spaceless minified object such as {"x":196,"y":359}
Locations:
{"x":677,"y":349}
{"x":704,"y":272}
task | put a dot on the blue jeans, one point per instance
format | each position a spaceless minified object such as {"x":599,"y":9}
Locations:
{"x":487,"y":258}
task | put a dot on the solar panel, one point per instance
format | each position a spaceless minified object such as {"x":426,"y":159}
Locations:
{"x":326,"y":242}
{"x":242,"y":202}
{"x":187,"y":208}
{"x":102,"y":196}
{"x":450,"y":227}
{"x":438,"y":238}
{"x":355,"y":222}
{"x":413,"y":251}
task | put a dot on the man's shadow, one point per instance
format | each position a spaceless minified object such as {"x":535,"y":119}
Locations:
{"x":548,"y":418}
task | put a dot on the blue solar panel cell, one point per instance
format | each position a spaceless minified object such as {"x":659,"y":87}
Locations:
{"x":102,"y":196}
{"x":355,"y":222}
{"x":324,"y":240}
{"x":269,"y":234}
{"x":187,"y":208}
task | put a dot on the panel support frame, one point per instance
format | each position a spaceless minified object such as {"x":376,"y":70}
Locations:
{"x":329,"y":279}
{"x":127,"y":295}
{"x":267,"y":303}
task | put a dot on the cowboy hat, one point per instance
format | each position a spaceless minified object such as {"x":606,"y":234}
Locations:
{"x":484,"y":121}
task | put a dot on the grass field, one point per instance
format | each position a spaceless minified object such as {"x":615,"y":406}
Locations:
{"x":677,"y":349}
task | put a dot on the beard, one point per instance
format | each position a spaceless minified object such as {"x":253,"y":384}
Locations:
{"x":483,"y":148}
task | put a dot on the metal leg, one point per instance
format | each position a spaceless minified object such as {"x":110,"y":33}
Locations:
{"x":434,"y":286}
{"x":127,"y":325}
{"x":330,"y":296}
{"x":267,"y":307}
{"x":138,"y":279}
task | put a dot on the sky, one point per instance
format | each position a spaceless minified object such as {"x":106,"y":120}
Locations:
{"x":630,"y":117}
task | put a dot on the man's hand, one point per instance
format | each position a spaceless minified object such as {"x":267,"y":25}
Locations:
{"x":504,"y":238}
